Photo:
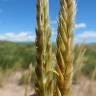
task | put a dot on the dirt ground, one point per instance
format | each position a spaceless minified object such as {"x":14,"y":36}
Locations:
{"x":85,"y":88}
{"x":12,"y":88}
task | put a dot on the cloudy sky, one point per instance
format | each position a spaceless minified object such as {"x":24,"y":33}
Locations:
{"x":18,"y":20}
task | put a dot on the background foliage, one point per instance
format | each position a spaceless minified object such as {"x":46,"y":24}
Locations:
{"x":21,"y":55}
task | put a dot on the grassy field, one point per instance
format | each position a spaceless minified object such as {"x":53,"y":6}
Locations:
{"x":20,"y":55}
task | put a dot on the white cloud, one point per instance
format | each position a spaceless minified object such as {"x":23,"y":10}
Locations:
{"x":87,"y":36}
{"x":80,"y":25}
{"x":18,"y":37}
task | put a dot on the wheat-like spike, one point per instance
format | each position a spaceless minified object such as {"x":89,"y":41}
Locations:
{"x":43,"y":82}
{"x":65,"y":46}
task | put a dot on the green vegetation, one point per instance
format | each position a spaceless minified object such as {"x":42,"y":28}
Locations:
{"x":90,"y":64}
{"x":16,"y":55}
{"x":20,"y":55}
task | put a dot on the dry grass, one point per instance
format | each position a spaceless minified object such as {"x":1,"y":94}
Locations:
{"x":43,"y":78}
{"x":79,"y":62}
{"x":65,"y":47}
{"x":4,"y":74}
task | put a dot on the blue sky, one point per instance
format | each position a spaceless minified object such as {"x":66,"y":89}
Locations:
{"x":18,"y":20}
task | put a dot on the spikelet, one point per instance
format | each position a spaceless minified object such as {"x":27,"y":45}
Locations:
{"x":65,"y":47}
{"x":43,"y":81}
